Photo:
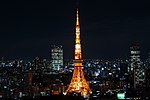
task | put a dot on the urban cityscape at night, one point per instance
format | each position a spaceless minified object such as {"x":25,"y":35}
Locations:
{"x":74,"y":49}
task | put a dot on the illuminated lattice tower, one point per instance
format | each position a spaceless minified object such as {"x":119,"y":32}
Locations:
{"x":78,"y":83}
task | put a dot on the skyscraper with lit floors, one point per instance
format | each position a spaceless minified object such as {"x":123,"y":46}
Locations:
{"x":135,"y":66}
{"x":57,"y":57}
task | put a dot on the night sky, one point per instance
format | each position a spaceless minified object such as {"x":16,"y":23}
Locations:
{"x":28,"y":28}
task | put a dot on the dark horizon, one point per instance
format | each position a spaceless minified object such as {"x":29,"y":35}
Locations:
{"x":108,"y":28}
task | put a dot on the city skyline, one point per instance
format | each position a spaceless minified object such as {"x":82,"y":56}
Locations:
{"x":108,"y":28}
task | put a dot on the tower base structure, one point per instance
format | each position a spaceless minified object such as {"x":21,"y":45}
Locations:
{"x":78,"y":85}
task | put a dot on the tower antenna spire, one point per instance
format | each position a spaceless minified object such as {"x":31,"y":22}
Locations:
{"x":77,"y":15}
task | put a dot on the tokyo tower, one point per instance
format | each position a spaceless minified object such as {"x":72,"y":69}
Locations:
{"x":78,"y":83}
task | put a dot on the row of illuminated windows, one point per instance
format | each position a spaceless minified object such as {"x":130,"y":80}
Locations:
{"x":57,"y":54}
{"x":56,"y":50}
{"x":57,"y":61}
{"x":57,"y":57}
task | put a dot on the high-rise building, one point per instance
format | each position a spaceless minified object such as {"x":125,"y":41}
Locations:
{"x":136,"y":69}
{"x":149,"y":60}
{"x":123,"y":68}
{"x":147,"y":78}
{"x":30,"y":77}
{"x":78,"y":82}
{"x":57,"y":57}
{"x":37,"y":63}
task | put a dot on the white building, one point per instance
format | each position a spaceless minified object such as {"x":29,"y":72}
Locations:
{"x":136,"y":68}
{"x":57,"y":57}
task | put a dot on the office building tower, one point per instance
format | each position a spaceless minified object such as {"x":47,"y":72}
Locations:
{"x":57,"y":58}
{"x":30,"y":77}
{"x":123,"y":68}
{"x":37,"y":64}
{"x":149,"y":60}
{"x":135,"y":67}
